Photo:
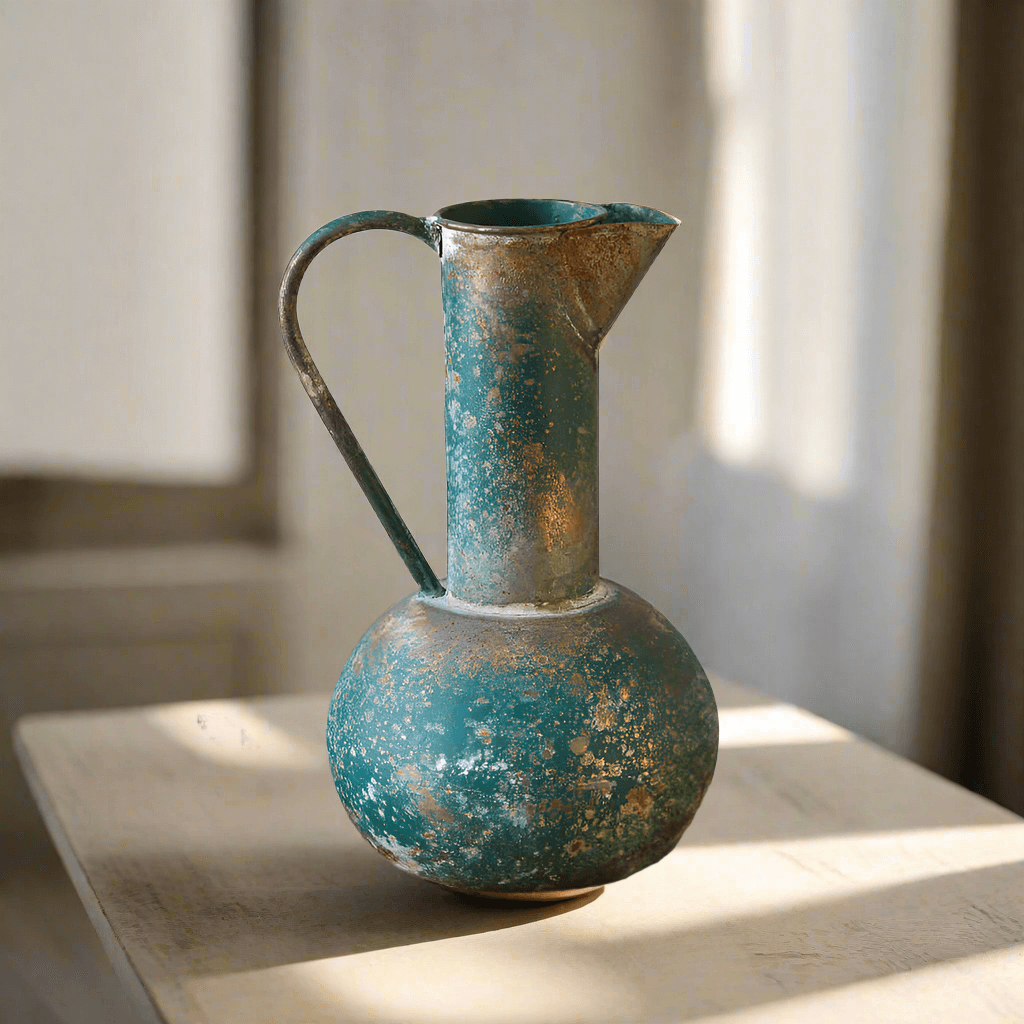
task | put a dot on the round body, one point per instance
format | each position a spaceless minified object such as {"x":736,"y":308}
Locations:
{"x":520,"y":751}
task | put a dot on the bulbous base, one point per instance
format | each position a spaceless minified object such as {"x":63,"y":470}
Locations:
{"x":507,"y":753}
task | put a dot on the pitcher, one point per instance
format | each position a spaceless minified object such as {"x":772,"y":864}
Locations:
{"x":528,"y":729}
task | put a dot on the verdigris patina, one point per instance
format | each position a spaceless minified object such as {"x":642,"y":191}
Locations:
{"x":528,"y":730}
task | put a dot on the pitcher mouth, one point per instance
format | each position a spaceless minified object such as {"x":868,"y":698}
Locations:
{"x":515,"y":216}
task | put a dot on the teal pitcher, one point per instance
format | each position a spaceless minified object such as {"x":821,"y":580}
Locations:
{"x":525,"y":729}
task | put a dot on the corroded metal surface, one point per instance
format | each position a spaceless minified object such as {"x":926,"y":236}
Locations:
{"x":534,"y":730}
{"x":525,"y":313}
{"x":517,"y":752}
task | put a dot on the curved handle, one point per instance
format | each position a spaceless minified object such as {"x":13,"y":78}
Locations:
{"x":425,"y":229}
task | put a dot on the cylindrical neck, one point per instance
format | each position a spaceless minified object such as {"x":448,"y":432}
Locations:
{"x":521,"y":444}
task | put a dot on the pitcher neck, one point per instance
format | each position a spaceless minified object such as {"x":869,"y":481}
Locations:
{"x":521,"y":426}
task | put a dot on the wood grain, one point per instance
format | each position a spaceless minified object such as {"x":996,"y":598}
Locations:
{"x":821,"y":877}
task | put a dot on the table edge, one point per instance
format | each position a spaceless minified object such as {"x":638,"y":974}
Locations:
{"x":120,"y":960}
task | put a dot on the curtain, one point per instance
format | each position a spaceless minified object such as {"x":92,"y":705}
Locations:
{"x":972,"y":725}
{"x":804,"y":513}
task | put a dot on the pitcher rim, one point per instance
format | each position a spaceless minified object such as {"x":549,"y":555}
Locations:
{"x":600,"y":213}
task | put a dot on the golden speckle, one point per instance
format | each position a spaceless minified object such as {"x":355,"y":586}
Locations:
{"x":639,"y":802}
{"x":604,"y":714}
{"x":430,"y":808}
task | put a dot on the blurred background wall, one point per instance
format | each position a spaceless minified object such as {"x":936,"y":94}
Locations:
{"x":788,"y":470}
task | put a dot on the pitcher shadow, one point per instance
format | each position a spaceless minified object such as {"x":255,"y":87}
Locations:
{"x":355,"y":902}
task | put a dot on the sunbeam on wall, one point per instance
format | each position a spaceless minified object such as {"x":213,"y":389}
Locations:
{"x":778,"y":361}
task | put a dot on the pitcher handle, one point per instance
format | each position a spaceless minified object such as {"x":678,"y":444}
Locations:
{"x":425,"y":229}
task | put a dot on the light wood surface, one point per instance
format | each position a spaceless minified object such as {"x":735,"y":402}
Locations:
{"x":822,"y":879}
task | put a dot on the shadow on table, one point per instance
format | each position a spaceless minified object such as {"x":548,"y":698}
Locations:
{"x":352,"y":901}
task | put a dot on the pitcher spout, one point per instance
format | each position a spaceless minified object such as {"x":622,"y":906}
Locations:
{"x":576,"y":264}
{"x":604,"y":264}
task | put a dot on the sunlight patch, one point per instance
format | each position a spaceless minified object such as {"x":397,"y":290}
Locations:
{"x":230,"y":732}
{"x":775,"y":725}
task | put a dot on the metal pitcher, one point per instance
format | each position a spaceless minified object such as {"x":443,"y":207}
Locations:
{"x":526,"y":729}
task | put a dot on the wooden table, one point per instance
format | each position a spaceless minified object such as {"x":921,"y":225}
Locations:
{"x":823,"y":879}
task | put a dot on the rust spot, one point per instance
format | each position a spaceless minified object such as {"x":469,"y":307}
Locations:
{"x":548,"y":752}
{"x":577,"y":846}
{"x":580,"y":743}
{"x":430,"y":808}
{"x":560,"y":521}
{"x":531,"y":457}
{"x":426,"y":803}
{"x":557,"y":806}
{"x":523,"y":813}
{"x":639,"y":802}
{"x":604,"y":714}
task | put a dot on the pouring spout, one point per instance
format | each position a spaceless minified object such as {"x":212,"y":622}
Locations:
{"x":556,"y":269}
{"x":604,"y":264}
{"x":629,"y":213}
